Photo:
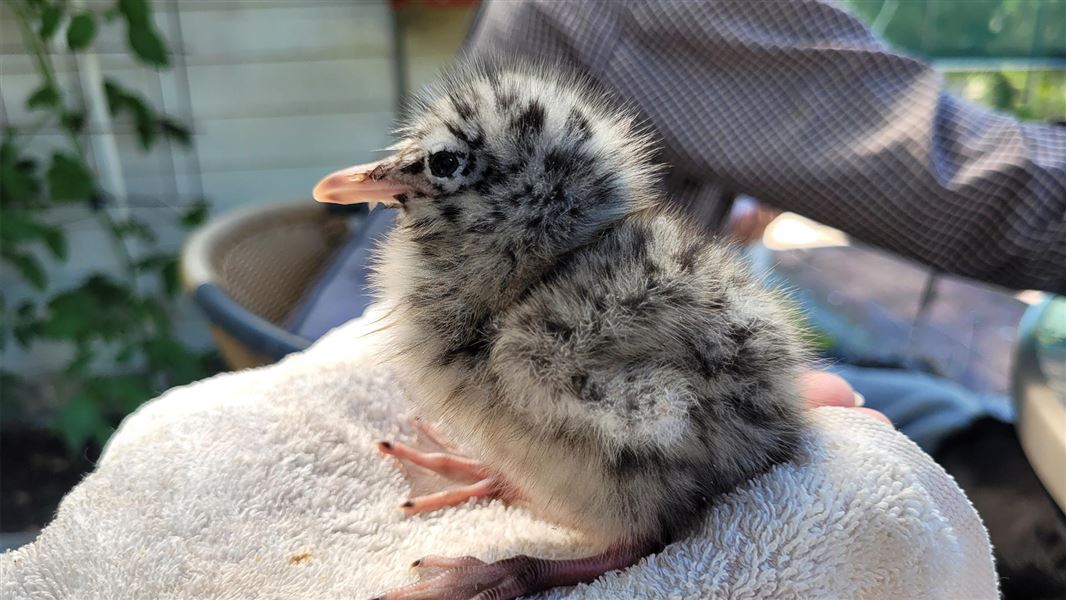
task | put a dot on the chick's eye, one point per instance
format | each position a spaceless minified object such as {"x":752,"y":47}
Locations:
{"x":443,"y":163}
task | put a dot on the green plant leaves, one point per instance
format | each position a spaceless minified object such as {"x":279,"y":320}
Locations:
{"x":18,"y":181}
{"x":28,"y":267}
{"x":147,"y":44}
{"x":176,"y":131}
{"x":148,"y":123}
{"x":81,"y":31}
{"x":17,"y":226}
{"x":45,"y":96}
{"x":170,"y":277}
{"x":166,"y":353}
{"x":116,"y":96}
{"x":89,"y":413}
{"x":119,"y":101}
{"x":166,"y":265}
{"x":103,"y":310}
{"x":144,"y":40}
{"x":135,"y":11}
{"x":71,"y":316}
{"x":80,"y":420}
{"x":73,"y":120}
{"x":26,"y":326}
{"x":196,"y":214}
{"x":97,"y":309}
{"x":112,"y":324}
{"x":124,"y":393}
{"x":68,"y":178}
{"x":3,"y":325}
{"x":56,"y":241}
{"x":50,"y":17}
{"x":83,"y":357}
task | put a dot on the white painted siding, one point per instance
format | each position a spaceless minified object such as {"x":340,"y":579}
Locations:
{"x":277,"y":93}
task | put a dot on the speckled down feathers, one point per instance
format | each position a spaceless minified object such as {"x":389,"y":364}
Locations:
{"x":596,"y":348}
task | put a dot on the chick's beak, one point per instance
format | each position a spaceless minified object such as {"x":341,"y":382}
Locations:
{"x":362,"y":183}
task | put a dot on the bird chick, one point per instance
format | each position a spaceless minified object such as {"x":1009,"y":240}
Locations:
{"x":602,"y":358}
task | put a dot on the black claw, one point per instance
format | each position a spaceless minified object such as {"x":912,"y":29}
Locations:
{"x":407,"y":504}
{"x":386,"y":445}
{"x":416,"y":563}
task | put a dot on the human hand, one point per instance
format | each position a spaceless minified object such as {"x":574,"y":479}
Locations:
{"x":749,"y":220}
{"x":826,"y":389}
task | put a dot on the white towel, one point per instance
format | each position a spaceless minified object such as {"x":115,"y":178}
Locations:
{"x":266,"y":484}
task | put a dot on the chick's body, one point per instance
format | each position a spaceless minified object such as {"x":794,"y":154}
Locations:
{"x":593,"y":347}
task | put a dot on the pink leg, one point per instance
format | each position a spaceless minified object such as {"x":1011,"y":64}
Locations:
{"x":425,"y":428}
{"x":481,"y":481}
{"x":486,"y":488}
{"x":452,"y":466}
{"x":471,"y":579}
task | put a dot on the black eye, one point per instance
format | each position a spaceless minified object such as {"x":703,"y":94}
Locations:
{"x":443,"y":163}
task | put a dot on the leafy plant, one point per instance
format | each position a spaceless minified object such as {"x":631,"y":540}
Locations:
{"x":109,"y":319}
{"x":972,"y":29}
{"x":987,"y":40}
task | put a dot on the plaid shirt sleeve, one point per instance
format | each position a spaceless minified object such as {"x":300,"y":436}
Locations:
{"x":798,"y":104}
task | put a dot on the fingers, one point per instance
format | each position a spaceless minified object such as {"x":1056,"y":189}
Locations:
{"x":826,"y":389}
{"x":880,"y":416}
{"x":748,"y":222}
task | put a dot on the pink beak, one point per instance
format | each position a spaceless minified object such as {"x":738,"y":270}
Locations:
{"x":358,"y":184}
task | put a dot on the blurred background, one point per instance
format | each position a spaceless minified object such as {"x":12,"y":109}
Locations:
{"x":151,"y":147}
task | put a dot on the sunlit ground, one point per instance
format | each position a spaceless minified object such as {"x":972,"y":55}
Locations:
{"x":790,"y":231}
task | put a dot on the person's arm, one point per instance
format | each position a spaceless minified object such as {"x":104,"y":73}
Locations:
{"x":798,"y":104}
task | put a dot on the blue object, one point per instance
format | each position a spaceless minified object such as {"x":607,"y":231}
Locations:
{"x":249,"y":329}
{"x":924,"y":408}
{"x":342,"y":293}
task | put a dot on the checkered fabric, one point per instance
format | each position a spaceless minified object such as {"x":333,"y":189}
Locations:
{"x":798,"y":104}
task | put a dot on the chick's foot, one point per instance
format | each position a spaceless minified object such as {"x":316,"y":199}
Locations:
{"x":479,"y":481}
{"x":468,"y":578}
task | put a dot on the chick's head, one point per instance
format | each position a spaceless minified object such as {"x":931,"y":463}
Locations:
{"x":532,"y":157}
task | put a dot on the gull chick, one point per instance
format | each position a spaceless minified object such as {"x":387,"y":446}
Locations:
{"x":606,"y":363}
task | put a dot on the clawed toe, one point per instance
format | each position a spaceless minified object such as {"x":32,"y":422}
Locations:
{"x":464,"y":578}
{"x":467,"y":578}
{"x":478,"y":481}
{"x":430,"y":566}
{"x":486,"y":488}
{"x":452,"y":466}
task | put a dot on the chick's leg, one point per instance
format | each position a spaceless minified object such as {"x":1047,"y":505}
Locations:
{"x":445,"y":464}
{"x":480,"y":481}
{"x":468,"y":578}
{"x":428,"y":431}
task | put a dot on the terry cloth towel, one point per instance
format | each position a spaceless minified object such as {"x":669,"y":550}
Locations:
{"x":266,"y":484}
